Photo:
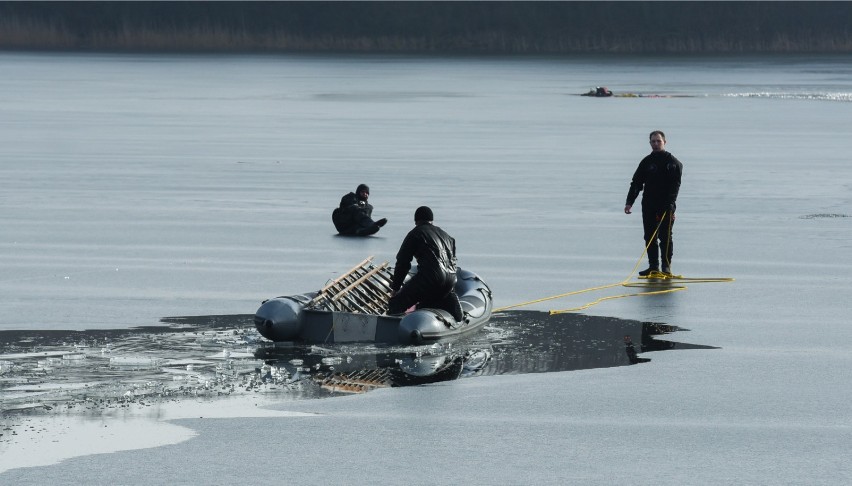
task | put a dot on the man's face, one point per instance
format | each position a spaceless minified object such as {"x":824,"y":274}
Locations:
{"x":363,"y":194}
{"x":657,"y":143}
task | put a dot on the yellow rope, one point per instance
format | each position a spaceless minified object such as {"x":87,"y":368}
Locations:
{"x":611,"y":297}
{"x":665,"y":278}
{"x":522,"y":304}
{"x":657,"y":279}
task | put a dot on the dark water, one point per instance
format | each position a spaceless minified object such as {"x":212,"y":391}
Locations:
{"x":219,"y":356}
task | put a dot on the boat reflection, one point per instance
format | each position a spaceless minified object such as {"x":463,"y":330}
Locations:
{"x":351,"y":371}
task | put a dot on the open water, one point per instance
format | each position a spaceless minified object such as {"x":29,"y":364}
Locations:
{"x":180,"y":191}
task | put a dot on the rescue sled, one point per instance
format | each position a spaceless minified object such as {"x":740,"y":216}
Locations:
{"x":352,"y":309}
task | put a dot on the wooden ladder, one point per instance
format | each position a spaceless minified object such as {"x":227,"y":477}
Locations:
{"x":364,"y":289}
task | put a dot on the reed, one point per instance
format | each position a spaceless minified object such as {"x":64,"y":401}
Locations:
{"x":430,"y":27}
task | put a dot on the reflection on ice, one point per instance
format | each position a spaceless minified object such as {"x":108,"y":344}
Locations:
{"x":822,"y":96}
{"x":824,"y":216}
{"x":212,"y":357}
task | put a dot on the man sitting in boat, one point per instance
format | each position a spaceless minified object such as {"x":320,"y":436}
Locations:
{"x":434,"y":283}
{"x":599,"y":92}
{"x":354,"y":216}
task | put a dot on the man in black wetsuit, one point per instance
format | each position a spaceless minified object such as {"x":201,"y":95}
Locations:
{"x":434,"y":283}
{"x":354,"y":216}
{"x":659,"y":175}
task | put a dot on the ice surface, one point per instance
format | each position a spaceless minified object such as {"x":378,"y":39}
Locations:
{"x":187,"y":186}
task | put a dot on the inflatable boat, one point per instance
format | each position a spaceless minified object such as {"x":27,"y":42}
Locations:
{"x":352,"y":309}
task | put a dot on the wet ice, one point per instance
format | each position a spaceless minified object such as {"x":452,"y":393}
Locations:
{"x":209,"y":204}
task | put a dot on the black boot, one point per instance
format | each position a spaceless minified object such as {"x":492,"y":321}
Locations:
{"x":370,"y":230}
{"x":648,"y":271}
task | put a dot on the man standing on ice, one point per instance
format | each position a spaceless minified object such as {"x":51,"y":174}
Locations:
{"x":659,"y":175}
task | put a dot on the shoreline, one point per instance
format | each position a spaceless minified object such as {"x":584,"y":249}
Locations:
{"x":517,"y":28}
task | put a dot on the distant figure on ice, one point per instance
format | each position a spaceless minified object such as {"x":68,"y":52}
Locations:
{"x":354,"y":216}
{"x":659,"y":176}
{"x":434,"y":283}
{"x":599,"y":92}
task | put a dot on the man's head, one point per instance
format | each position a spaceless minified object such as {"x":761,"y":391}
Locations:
{"x":423,"y":215}
{"x":363,"y":192}
{"x":658,"y":141}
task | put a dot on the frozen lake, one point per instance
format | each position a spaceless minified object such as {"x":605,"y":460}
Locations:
{"x":138,"y":188}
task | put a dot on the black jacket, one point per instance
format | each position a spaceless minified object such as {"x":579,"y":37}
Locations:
{"x":352,"y":214}
{"x":434,"y":250}
{"x":351,"y":199}
{"x":659,"y":176}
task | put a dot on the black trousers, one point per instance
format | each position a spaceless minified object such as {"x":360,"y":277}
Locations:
{"x":354,"y":221}
{"x":435,"y":292}
{"x":662,"y":244}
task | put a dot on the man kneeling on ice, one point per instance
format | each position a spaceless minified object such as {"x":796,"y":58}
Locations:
{"x":434,"y":283}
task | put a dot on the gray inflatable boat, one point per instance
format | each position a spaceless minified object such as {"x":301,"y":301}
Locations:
{"x":351,"y":309}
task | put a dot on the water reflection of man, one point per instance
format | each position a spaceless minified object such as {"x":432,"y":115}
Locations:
{"x":659,"y":175}
{"x":434,"y":283}
{"x":354,"y":216}
{"x":632,"y":355}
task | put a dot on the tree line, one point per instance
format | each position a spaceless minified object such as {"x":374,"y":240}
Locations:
{"x":431,"y":27}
